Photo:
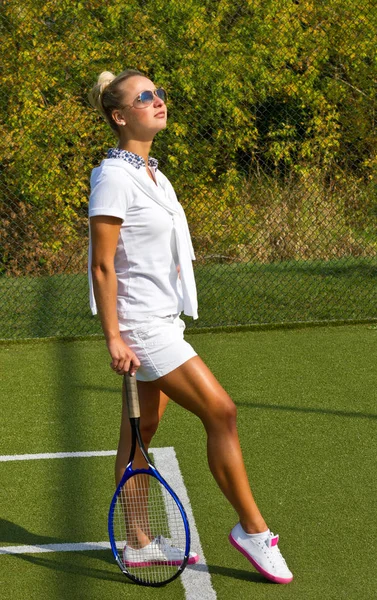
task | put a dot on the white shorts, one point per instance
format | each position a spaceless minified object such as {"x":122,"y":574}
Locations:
{"x":158,"y":343}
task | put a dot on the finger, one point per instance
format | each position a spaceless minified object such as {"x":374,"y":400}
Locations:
{"x":135,"y":361}
{"x":133,"y":369}
{"x":135,"y":364}
{"x":123,"y":367}
{"x":116,"y":365}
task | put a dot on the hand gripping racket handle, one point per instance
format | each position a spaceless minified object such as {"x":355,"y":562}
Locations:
{"x":132,"y":397}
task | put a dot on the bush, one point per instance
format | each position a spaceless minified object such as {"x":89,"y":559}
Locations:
{"x":271,"y":138}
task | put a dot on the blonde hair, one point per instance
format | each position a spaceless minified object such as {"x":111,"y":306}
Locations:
{"x":106,"y":95}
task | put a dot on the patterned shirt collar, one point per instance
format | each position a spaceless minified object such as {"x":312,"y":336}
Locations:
{"x":134,"y":159}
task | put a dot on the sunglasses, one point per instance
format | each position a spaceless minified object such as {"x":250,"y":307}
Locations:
{"x":146,"y":98}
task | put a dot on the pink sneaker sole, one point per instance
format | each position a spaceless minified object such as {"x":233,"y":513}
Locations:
{"x":255,"y":564}
{"x":151,"y":563}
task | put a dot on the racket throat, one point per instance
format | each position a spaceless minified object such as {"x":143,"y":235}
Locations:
{"x":134,"y":427}
{"x":136,"y":437}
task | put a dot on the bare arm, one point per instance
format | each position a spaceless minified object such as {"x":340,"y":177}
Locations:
{"x":104,"y":234}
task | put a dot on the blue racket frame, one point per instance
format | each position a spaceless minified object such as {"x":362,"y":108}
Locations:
{"x":151,"y":471}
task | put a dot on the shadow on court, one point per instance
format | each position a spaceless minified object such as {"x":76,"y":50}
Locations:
{"x":71,"y":421}
{"x":100,"y":389}
{"x":13,"y":534}
{"x":76,"y":564}
{"x":299,"y":409}
{"x":240,"y":574}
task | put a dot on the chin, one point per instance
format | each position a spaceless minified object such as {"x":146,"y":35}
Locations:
{"x":161,"y":126}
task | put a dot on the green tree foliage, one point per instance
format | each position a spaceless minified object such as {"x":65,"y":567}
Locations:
{"x":271,"y":126}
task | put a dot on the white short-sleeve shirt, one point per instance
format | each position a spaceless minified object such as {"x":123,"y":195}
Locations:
{"x":147,"y":256}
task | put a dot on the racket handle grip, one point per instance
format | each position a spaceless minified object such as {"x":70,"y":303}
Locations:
{"x":130,"y":385}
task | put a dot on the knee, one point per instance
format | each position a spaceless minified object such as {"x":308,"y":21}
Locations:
{"x":224,"y":412}
{"x":230,"y":412}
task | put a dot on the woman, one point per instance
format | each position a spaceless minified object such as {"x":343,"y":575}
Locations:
{"x":142,"y":278}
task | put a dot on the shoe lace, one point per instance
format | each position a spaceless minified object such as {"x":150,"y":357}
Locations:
{"x":165,"y":545}
{"x":278,"y":557}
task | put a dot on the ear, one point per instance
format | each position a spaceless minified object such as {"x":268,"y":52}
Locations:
{"x":118,"y":118}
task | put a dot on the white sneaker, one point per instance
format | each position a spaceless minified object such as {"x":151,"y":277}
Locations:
{"x":158,"y":552}
{"x":263,"y":553}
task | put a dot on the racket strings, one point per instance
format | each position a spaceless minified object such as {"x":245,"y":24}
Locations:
{"x":149,"y":530}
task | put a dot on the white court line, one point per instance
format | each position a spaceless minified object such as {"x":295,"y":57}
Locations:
{"x":41,"y":548}
{"x":49,"y":456}
{"x":196,"y":579}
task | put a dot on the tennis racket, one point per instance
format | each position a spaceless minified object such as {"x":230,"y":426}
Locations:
{"x":148,"y":527}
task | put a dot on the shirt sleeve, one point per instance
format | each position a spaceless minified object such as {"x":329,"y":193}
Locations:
{"x":108,"y":196}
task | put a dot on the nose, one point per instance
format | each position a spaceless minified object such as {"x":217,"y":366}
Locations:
{"x":157,"y":102}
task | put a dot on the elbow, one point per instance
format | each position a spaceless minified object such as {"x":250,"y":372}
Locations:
{"x":101,"y":270}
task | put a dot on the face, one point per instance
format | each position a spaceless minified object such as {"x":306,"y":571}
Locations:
{"x":140,"y":123}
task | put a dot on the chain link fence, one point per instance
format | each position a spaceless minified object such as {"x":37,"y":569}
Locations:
{"x":271,"y":146}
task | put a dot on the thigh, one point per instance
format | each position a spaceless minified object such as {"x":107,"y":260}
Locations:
{"x":153,"y":403}
{"x":193,"y":386}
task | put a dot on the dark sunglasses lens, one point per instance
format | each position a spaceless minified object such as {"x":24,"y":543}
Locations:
{"x":144,"y":98}
{"x":160,"y":92}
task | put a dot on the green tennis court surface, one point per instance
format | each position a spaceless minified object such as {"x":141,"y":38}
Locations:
{"x":307,"y":420}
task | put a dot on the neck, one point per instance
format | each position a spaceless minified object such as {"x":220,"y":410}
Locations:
{"x":137,"y":147}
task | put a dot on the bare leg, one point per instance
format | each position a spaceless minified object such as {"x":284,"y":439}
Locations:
{"x":193,"y":386}
{"x":152,"y":405}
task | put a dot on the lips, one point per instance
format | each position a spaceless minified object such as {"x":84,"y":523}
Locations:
{"x":160,"y":114}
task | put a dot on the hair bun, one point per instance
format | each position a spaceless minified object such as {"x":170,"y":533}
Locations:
{"x":104,"y":79}
{"x":95,"y":94}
